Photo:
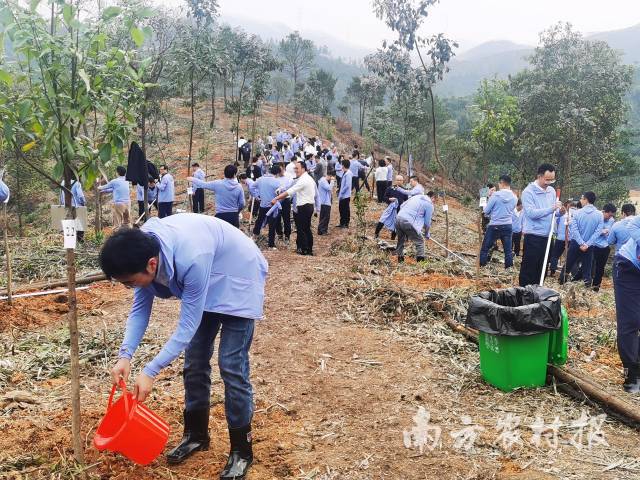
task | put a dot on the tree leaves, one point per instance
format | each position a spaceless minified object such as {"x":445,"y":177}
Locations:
{"x":6,"y":77}
{"x":110,"y":12}
{"x":137,"y":36}
{"x":85,"y":78}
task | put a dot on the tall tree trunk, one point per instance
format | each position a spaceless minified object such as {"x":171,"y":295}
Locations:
{"x":7,"y":253}
{"x":213,"y":102}
{"x":193,"y":121}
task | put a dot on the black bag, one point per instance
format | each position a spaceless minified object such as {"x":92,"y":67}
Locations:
{"x":515,"y":311}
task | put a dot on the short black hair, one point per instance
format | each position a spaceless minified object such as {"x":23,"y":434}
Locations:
{"x":242,"y":176}
{"x":382,"y":163}
{"x":230,"y":171}
{"x":431,"y":193}
{"x":610,"y":208}
{"x":346,"y":163}
{"x":545,"y":167}
{"x":302,"y":164}
{"x":505,"y":179}
{"x":275,"y":169}
{"x":413,"y":177}
{"x":165,"y":167}
{"x":490,"y":185}
{"x":195,"y":164}
{"x":628,"y":209}
{"x":121,"y":170}
{"x":590,"y":196}
{"x":127,"y":252}
{"x":256,"y":158}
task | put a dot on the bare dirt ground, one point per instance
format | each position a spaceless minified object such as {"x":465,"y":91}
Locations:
{"x":351,"y":347}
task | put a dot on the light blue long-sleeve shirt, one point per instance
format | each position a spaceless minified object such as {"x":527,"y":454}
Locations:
{"x":339,"y":170}
{"x":418,"y":210}
{"x":267,"y":187}
{"x":229,"y":194}
{"x":390,"y":172}
{"x":166,"y":189}
{"x":152,"y":194}
{"x":602,"y":240}
{"x":345,"y":185}
{"x":561,"y":230}
{"x":354,"y":167}
{"x":619,"y":233}
{"x":538,"y":206}
{"x":200,"y":175}
{"x":586,"y":225}
{"x":516,"y":221}
{"x":631,"y":249}
{"x":77,"y":195}
{"x":207,"y":263}
{"x":251,"y":187}
{"x":4,"y":192}
{"x":119,"y":187}
{"x":324,"y":191}
{"x":500,"y":207}
{"x":417,"y":190}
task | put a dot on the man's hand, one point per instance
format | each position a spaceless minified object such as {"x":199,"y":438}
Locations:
{"x":120,"y":370}
{"x":558,"y":205}
{"x":191,"y":179}
{"x":143,"y":387}
{"x":274,"y":201}
{"x":584,"y":247}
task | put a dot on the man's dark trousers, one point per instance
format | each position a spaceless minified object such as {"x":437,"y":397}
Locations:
{"x":626,"y":284}
{"x":495,"y":232}
{"x":230,"y":217}
{"x":285,"y":219}
{"x":557,"y":249}
{"x":344,"y":208}
{"x":516,"y":239}
{"x":236,"y":335}
{"x":574,"y":255}
{"x":600,"y":257}
{"x":164,"y":209}
{"x":305,"y":212}
{"x":323,"y":221}
{"x":271,"y":222}
{"x":355,"y":183}
{"x":532,"y":259}
{"x":198,"y":200}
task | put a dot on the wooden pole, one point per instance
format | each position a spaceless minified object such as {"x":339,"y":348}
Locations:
{"x":7,"y":254}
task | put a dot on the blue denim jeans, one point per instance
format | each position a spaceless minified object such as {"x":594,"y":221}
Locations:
{"x":236,"y":334}
{"x":504,"y":234}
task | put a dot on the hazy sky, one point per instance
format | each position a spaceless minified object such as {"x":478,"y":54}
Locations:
{"x":469,"y":21}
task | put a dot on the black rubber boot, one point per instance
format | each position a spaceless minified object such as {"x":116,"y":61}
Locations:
{"x":420,"y":259}
{"x":195,"y":438}
{"x":632,"y":379}
{"x":241,"y":455}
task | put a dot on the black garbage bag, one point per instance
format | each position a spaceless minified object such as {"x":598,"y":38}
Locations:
{"x":515,"y":311}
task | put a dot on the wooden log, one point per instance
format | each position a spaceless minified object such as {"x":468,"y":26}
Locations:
{"x":54,"y":284}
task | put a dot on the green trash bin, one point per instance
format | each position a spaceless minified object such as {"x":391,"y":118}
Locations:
{"x":558,"y":341}
{"x":508,"y":362}
{"x":520,"y":332}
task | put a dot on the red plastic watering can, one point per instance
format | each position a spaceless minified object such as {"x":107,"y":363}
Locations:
{"x":131,"y":429}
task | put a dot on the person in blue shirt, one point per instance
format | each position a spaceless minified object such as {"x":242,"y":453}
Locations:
{"x":619,"y":233}
{"x":354,"y":167}
{"x":389,"y":172}
{"x":268,"y":186}
{"x":339,"y":170}
{"x":584,"y":229}
{"x":416,"y":188}
{"x":500,"y":209}
{"x":166,"y":192}
{"x":219,"y":276}
{"x":626,"y":286}
{"x":4,"y":192}
{"x":539,"y":206}
{"x":198,"y":193}
{"x":344,"y":194}
{"x":516,"y":227}
{"x":77,"y":200}
{"x":325,"y":188}
{"x":392,"y":196}
{"x":119,"y":188}
{"x":152,"y":197}
{"x":414,"y":215}
{"x":562,"y":229}
{"x":229,"y":195}
{"x":601,"y":247}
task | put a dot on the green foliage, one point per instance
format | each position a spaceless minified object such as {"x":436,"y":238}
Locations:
{"x":298,"y":55}
{"x":573,"y":104}
{"x":319,"y":92}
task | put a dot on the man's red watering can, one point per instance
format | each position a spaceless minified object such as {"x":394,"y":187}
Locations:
{"x":131,"y":429}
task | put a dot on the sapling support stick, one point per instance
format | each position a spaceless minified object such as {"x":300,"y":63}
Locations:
{"x":7,"y":253}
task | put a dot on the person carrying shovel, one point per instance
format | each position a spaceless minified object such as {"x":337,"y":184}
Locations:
{"x":219,"y":276}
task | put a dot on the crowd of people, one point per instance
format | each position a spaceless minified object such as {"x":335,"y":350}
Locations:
{"x":219,"y":273}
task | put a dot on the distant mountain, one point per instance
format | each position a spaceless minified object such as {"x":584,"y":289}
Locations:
{"x":503,"y":58}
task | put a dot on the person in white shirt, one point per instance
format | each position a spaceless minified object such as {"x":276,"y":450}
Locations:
{"x":304,"y":188}
{"x":382,"y":173}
